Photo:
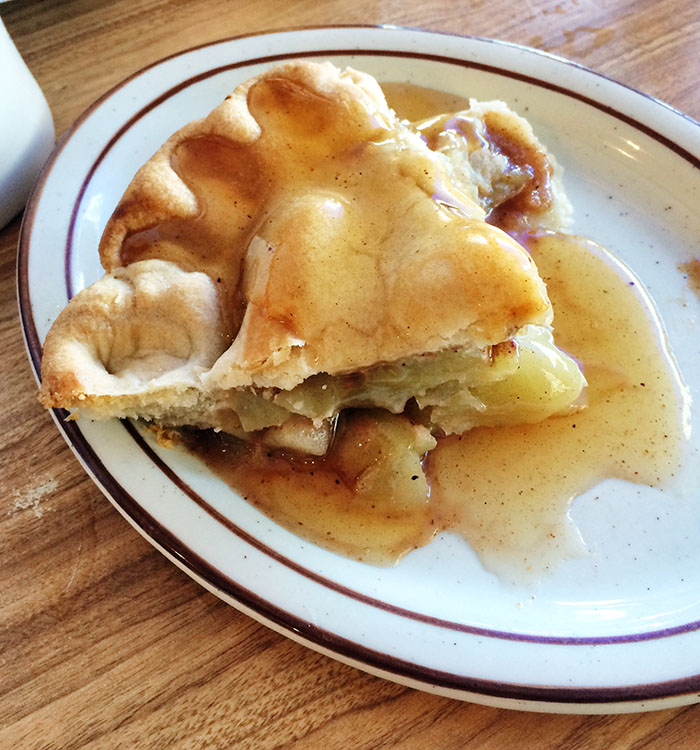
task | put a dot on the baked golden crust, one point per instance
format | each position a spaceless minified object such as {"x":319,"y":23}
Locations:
{"x":308,"y":231}
{"x":137,"y":341}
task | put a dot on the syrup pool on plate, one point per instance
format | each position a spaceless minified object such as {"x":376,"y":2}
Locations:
{"x":506,"y":490}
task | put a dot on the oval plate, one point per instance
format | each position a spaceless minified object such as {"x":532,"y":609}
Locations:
{"x":615,"y":630}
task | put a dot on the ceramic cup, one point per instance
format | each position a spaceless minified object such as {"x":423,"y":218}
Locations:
{"x":26,"y":130}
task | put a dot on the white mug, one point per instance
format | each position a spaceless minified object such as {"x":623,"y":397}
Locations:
{"x":26,"y":129}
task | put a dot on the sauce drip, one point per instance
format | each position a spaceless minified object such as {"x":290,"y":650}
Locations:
{"x":318,"y":498}
{"x":506,"y":490}
{"x":692,"y":270}
{"x":530,"y":165}
{"x":415,"y":103}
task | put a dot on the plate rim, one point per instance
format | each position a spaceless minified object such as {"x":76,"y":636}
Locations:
{"x":559,"y":694}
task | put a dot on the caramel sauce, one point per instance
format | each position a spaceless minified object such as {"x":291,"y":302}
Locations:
{"x":536,"y":197}
{"x":505,"y":490}
{"x":416,"y":103}
{"x":318,"y":498}
{"x":692,"y":270}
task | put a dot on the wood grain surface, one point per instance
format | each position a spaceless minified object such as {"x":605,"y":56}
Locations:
{"x":104,"y":643}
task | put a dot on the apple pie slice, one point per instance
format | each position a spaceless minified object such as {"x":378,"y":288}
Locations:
{"x":301,"y":251}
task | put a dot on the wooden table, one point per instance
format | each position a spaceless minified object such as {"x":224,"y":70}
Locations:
{"x":106,"y":644}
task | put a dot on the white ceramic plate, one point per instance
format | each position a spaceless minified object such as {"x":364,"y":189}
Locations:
{"x":616,"y":630}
